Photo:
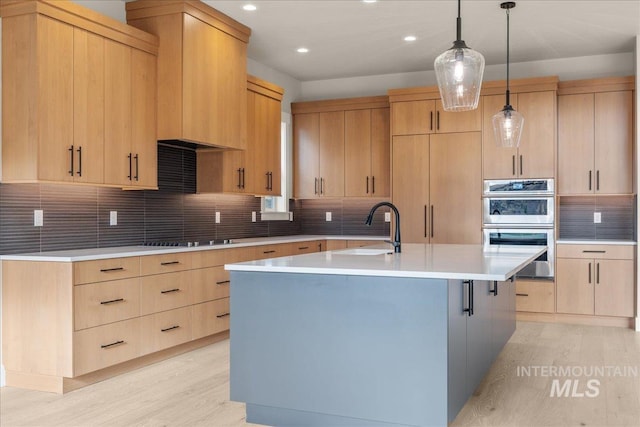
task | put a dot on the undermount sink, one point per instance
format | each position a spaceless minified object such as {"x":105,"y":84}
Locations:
{"x":364,"y":251}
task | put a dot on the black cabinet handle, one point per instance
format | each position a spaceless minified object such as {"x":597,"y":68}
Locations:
{"x":597,"y":273}
{"x":112,"y":301}
{"x":268,"y":252}
{"x":301,"y":248}
{"x":267,"y":175}
{"x":513,"y":164}
{"x":430,"y":120}
{"x":243,"y":181}
{"x":130,"y":167}
{"x":593,"y":252}
{"x":520,"y":164}
{"x":494,"y":291}
{"x":170,"y":328}
{"x":367,"y":185}
{"x":239,"y":178}
{"x":321,"y":185}
{"x":108,"y":270}
{"x":170,"y":291}
{"x":113,"y":344}
{"x":469,"y":310}
{"x":222,"y":315}
{"x":432,"y":221}
{"x":71,"y":155}
{"x":79,"y":150}
{"x":597,"y":180}
{"x":522,"y":295}
{"x":170,"y":263}
{"x":137,"y":175}
{"x":438,"y":120}
{"x":589,"y":272}
{"x":425,"y":221}
{"x":373,"y":185}
{"x":222,"y":282}
{"x":590,"y":179}
{"x":315,"y":190}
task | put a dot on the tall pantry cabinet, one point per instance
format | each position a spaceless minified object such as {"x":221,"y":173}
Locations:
{"x":78,"y":99}
{"x":436,"y":168}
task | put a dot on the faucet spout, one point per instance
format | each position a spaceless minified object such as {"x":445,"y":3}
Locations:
{"x":396,"y":240}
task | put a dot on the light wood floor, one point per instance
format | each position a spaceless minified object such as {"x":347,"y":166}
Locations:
{"x":193,"y":389}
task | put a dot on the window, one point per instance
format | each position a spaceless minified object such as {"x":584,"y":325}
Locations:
{"x":277,"y":208}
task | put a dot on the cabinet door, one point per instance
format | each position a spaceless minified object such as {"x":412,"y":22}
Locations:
{"x":497,"y":162}
{"x":537,"y":151}
{"x":455,"y":186}
{"x":264,"y":147}
{"x":273,"y":135}
{"x":380,"y":153}
{"x":88,"y":107}
{"x":575,"y":144}
{"x":614,"y":288}
{"x":331,"y":136}
{"x":613,"y":142}
{"x":55,"y":97}
{"x":463,"y":121}
{"x":306,"y":140}
{"x":357,"y":151}
{"x":574,"y":286}
{"x":410,"y":181}
{"x":480,"y":351}
{"x":118,"y":159}
{"x":413,"y":117}
{"x":504,"y":314}
{"x":143,"y":116}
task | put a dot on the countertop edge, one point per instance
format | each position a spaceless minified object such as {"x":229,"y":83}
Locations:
{"x":596,"y":242}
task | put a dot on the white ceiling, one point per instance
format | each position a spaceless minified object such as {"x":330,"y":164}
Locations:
{"x":349,"y":38}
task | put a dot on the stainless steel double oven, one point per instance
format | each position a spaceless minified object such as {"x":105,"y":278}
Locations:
{"x":521,"y":212}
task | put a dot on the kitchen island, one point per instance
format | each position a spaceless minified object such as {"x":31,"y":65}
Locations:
{"x":369,"y":337}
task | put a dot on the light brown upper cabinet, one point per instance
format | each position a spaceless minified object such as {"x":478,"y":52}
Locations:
{"x":535,"y":158}
{"x":595,"y":136}
{"x":341,"y":148}
{"x":425,"y":116}
{"x":78,"y":87}
{"x":202,"y":75}
{"x":255,"y":170}
{"x":367,"y":153}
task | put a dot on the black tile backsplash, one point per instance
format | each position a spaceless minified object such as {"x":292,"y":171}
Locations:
{"x":617,"y":214}
{"x":78,"y":216}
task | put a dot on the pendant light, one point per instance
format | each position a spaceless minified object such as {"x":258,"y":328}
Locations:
{"x":459,"y":72}
{"x":508,"y":123}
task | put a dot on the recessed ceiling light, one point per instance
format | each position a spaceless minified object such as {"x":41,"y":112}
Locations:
{"x":369,"y":1}
{"x":302,"y":50}
{"x":410,"y":38}
{"x":249,"y":7}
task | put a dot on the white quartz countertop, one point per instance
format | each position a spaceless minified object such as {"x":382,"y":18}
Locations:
{"x":595,"y":242}
{"x":127,"y":251}
{"x":466,"y":262}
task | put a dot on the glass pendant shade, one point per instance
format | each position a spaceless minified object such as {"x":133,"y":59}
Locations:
{"x":459,"y":72}
{"x":507,"y":127}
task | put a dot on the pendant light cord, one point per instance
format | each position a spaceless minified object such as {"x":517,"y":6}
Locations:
{"x":458,"y":24}
{"x":508,"y":91}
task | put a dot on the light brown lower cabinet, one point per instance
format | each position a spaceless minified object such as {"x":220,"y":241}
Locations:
{"x":210,"y":318}
{"x":595,"y":280}
{"x":165,"y":329}
{"x":537,"y":296}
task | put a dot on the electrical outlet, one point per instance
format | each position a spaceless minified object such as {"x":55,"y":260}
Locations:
{"x":217,"y":217}
{"x":253,"y":217}
{"x":290,"y":216}
{"x":113,"y":217}
{"x":387,"y":217}
{"x":327,"y":216}
{"x":38,"y":218}
{"x":597,"y":217}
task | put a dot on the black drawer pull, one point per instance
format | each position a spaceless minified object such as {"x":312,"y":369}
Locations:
{"x":170,"y":328}
{"x":170,"y":290}
{"x":303,"y":247}
{"x":222,"y":315}
{"x":108,"y":270}
{"x":223,"y":282}
{"x":268,"y":252}
{"x":522,"y":295}
{"x":113,"y":344}
{"x":112,"y":301}
{"x":594,"y":252}
{"x":170,"y":263}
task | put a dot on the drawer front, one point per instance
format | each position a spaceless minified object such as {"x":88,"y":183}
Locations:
{"x":239,"y":254}
{"x":164,"y":292}
{"x":210,"y":318}
{"x":209,"y":284}
{"x":361,"y":243}
{"x":166,"y":263}
{"x":106,"y":302}
{"x":103,"y":270}
{"x":535,"y":296}
{"x":107,"y":345}
{"x":596,"y":251}
{"x":304,"y":247}
{"x":207,"y":258}
{"x":272,"y":251}
{"x":166,"y":329}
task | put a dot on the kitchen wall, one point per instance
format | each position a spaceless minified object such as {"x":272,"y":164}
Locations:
{"x":618,"y":214}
